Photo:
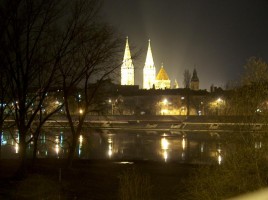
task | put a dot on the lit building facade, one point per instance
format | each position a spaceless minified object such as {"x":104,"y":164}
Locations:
{"x":127,"y":68}
{"x":162,"y":80}
{"x":149,"y":70}
{"x":150,"y":80}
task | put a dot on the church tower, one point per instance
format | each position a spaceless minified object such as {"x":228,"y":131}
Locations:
{"x":127,"y":68}
{"x":194,"y":81}
{"x":149,"y":70}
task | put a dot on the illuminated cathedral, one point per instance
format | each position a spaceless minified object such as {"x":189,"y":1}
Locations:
{"x":150,"y":79}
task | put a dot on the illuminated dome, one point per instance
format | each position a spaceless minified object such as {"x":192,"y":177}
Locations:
{"x":162,"y":80}
{"x":162,"y":74}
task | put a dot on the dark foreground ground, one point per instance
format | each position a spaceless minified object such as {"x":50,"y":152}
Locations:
{"x":94,"y":180}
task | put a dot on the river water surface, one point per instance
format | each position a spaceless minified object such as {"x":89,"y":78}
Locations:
{"x":126,"y":145}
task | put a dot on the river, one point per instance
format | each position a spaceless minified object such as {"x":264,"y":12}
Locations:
{"x":126,"y":145}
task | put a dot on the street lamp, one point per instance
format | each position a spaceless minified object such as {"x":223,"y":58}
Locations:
{"x":112,"y":104}
{"x":164,"y":108}
{"x":218,"y":104}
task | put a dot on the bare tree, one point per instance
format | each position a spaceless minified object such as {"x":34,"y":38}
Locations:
{"x":95,"y":60}
{"x":186,"y":78}
{"x":38,"y":36}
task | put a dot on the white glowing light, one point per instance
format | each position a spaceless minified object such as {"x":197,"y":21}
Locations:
{"x":110,"y":152}
{"x":165,"y":155}
{"x":149,"y":70}
{"x":219,"y":156}
{"x":219,"y":159}
{"x":57,"y":149}
{"x":110,"y":147}
{"x":164,"y":143}
{"x":81,"y":139}
{"x":219,"y":100}
{"x":164,"y":111}
{"x":127,"y":68}
{"x":183,"y":143}
{"x":16,"y":148}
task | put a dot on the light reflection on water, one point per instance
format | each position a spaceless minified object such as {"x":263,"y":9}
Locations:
{"x":190,"y":147}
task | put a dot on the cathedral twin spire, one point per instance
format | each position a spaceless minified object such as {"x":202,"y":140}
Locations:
{"x":127,"y":67}
{"x":149,"y":62}
{"x":150,"y":80}
{"x":149,"y":69}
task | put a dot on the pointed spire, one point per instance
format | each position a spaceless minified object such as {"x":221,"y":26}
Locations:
{"x":149,"y":58}
{"x":127,"y":67}
{"x":195,"y":77}
{"x":127,"y":54}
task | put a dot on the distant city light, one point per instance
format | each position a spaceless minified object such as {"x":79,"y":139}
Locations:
{"x":219,"y":100}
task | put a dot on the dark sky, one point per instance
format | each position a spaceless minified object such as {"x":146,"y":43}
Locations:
{"x":214,"y":36}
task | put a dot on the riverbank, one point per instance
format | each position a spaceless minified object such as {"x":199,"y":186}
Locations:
{"x":95,"y":180}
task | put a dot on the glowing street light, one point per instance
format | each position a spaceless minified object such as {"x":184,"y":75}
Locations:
{"x":164,"y":107}
{"x":112,"y":104}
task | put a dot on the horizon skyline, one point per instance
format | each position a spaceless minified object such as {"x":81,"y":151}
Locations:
{"x":215,"y":38}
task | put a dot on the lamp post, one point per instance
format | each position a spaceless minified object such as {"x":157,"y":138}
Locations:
{"x":112,"y":105}
{"x":218,"y":104}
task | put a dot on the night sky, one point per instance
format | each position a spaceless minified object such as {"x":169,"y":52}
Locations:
{"x":214,"y":36}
